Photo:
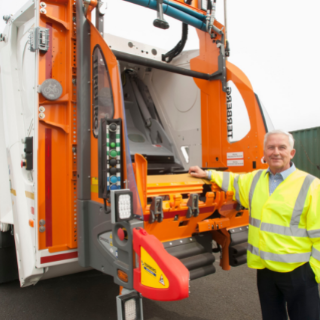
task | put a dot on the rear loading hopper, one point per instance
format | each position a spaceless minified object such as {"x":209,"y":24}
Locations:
{"x":98,"y":142}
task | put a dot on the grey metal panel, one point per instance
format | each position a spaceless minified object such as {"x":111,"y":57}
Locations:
{"x":307,"y":157}
{"x":136,"y":127}
{"x":83,"y":105}
{"x":83,"y":234}
{"x":125,"y":251}
{"x":100,"y":18}
{"x":92,"y":223}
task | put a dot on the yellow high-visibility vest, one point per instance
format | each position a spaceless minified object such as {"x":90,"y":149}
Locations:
{"x":284,"y":228}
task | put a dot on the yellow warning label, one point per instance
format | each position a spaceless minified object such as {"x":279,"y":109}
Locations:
{"x":94,"y":189}
{"x":94,"y":185}
{"x":151,"y":275}
{"x":162,"y":280}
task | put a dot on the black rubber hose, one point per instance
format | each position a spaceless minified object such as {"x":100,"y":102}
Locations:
{"x":179,"y":47}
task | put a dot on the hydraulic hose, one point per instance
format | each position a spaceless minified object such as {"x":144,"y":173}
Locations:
{"x":174,"y":12}
{"x":187,"y":10}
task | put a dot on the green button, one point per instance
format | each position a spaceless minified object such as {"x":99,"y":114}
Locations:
{"x":113,"y":153}
{"x":112,"y":145}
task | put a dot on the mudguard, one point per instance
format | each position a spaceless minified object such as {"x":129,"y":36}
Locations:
{"x":159,"y":275}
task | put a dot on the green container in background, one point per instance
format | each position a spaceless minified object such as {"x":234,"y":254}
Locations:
{"x":307,"y":144}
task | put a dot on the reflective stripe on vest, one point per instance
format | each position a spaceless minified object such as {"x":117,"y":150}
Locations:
{"x":254,"y":222}
{"x":254,"y":250}
{"x":314,"y":233}
{"x":236,"y":188}
{"x":253,"y":186}
{"x":315,"y":253}
{"x":293,"y":230}
{"x":285,"y":231}
{"x":286,"y":258}
{"x":225,"y":181}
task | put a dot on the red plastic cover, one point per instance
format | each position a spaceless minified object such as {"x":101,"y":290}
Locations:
{"x":160,"y":276}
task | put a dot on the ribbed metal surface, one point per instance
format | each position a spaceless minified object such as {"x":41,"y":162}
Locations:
{"x":307,"y":143}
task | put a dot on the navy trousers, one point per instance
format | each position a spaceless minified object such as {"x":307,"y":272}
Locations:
{"x":295,"y":291}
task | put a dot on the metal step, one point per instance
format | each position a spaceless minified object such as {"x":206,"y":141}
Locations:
{"x":238,"y":261}
{"x":186,"y":250}
{"x":238,"y":246}
{"x":201,"y":272}
{"x":238,"y":235}
{"x":239,"y":249}
{"x":195,"y":253}
{"x":199,"y":260}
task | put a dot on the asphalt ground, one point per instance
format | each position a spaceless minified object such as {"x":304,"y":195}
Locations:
{"x":224,"y":295}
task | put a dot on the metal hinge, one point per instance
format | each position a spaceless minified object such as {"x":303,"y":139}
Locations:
{"x":193,"y":205}
{"x":39,"y":39}
{"x":156,"y":212}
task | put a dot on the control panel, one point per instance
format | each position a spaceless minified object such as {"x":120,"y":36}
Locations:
{"x":110,"y":156}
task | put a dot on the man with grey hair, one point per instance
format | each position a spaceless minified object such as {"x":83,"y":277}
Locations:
{"x":284,"y":229}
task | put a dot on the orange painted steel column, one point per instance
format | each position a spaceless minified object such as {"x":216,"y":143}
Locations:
{"x":57,"y":142}
{"x":215,"y":145}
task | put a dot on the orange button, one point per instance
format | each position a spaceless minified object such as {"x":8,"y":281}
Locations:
{"x":31,"y":223}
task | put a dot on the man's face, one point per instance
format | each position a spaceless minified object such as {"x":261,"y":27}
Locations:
{"x":278,"y":153}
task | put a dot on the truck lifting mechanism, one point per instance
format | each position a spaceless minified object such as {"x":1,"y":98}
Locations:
{"x":97,"y":134}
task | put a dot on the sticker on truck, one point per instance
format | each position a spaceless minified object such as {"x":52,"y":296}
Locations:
{"x":234,"y":155}
{"x":235,"y":163}
{"x":151,"y":274}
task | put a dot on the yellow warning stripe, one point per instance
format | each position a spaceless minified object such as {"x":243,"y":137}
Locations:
{"x":95,"y":188}
{"x":30,"y":195}
{"x":13,"y":192}
{"x":94,"y":185}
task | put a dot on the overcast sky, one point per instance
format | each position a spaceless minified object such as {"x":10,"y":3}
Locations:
{"x":274,"y":42}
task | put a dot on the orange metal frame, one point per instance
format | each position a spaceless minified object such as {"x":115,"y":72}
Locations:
{"x":114,"y":73}
{"x":60,"y":146}
{"x":215,"y":145}
{"x":60,"y":121}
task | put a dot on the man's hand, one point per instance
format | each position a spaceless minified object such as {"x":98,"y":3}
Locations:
{"x":197,"y":172}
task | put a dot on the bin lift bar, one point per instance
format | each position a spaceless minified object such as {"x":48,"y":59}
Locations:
{"x":218,"y":75}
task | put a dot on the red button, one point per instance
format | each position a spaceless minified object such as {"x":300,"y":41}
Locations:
{"x":121,"y":234}
{"x":22,"y":163}
{"x":144,"y":232}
